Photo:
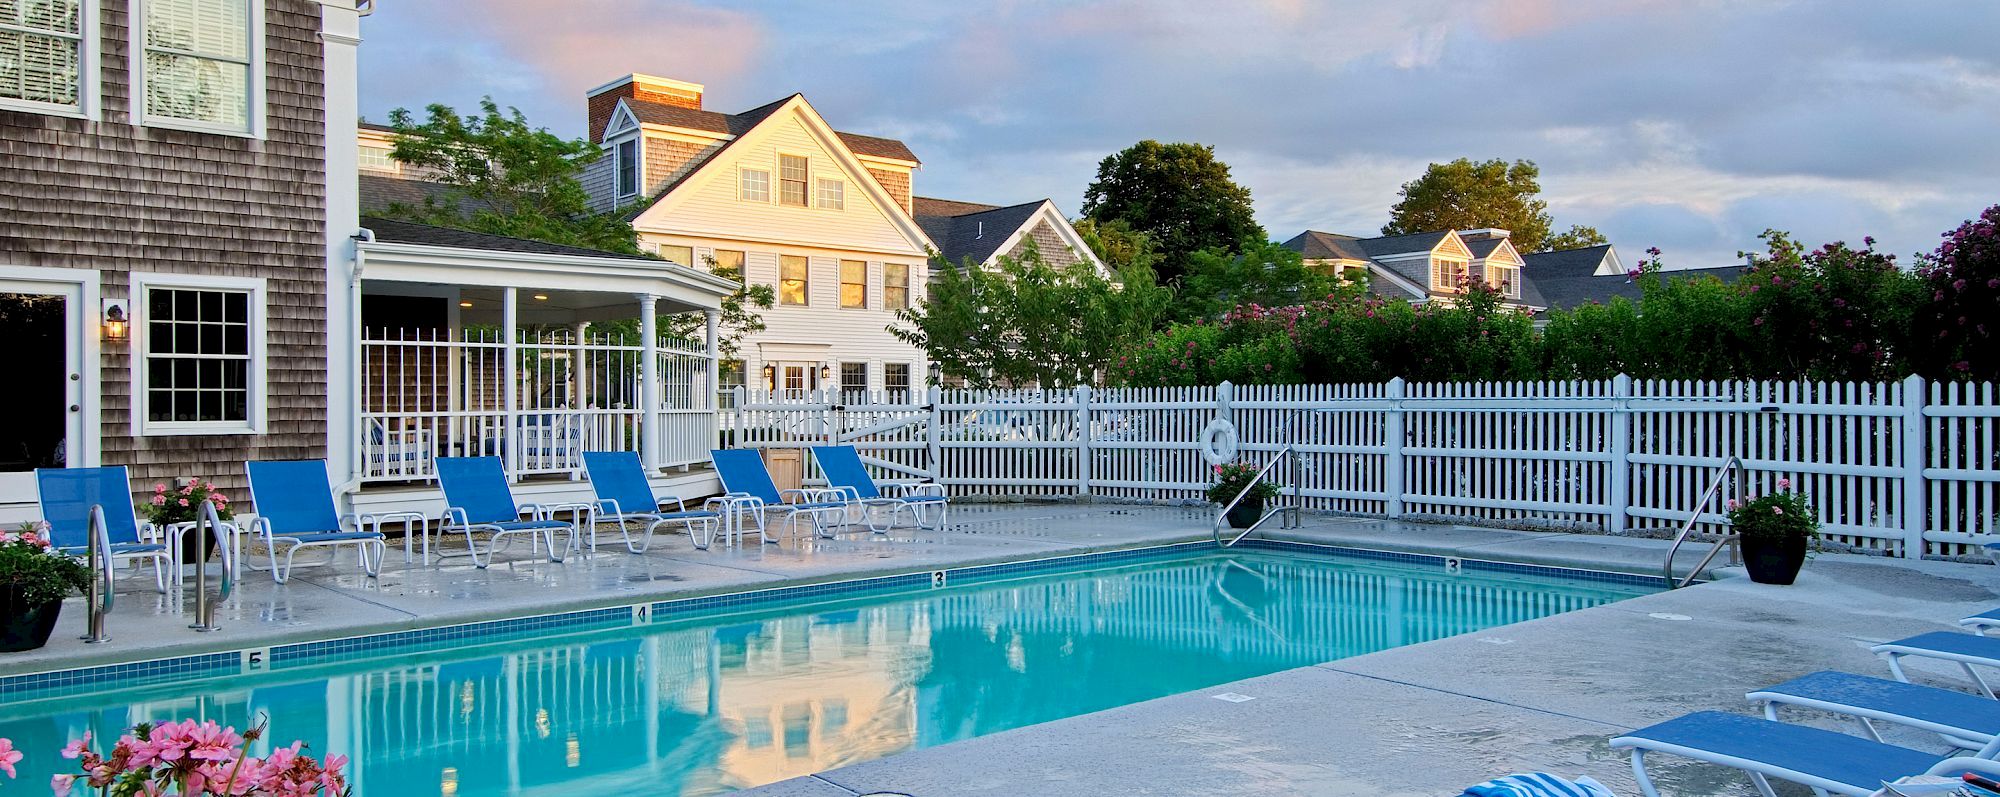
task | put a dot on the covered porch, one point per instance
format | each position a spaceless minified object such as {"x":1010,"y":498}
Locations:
{"x":476,"y":345}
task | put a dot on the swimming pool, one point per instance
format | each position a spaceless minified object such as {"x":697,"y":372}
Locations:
{"x":736,"y":693}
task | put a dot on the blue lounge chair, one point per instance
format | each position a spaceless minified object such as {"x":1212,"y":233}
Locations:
{"x":67,"y":494}
{"x":1982,"y":622}
{"x":1965,"y":650}
{"x":295,"y":510}
{"x":749,"y":487}
{"x":624,"y":495}
{"x":1966,"y":721}
{"x":476,"y":488}
{"x":1826,"y":761}
{"x":844,"y":472}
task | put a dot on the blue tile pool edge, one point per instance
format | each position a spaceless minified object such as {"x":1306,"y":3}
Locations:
{"x":59,"y":683}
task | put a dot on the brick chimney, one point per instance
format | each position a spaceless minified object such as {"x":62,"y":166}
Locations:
{"x":644,"y":88}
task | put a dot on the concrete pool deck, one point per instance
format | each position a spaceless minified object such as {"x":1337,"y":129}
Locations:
{"x":1423,"y":719}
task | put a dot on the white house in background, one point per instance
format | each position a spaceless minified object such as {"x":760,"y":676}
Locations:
{"x":1425,"y":266}
{"x":822,"y":216}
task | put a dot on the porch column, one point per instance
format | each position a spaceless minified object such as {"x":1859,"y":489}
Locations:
{"x":649,"y":383}
{"x":714,"y":339}
{"x":511,"y":389}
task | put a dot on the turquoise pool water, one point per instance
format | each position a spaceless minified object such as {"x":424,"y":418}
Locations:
{"x":706,"y":705}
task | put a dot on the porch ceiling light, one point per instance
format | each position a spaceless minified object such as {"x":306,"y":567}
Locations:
{"x":116,"y":325}
{"x":541,"y":297}
{"x":465,"y":304}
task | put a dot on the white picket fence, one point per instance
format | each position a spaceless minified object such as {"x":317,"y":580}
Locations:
{"x":1906,"y":468}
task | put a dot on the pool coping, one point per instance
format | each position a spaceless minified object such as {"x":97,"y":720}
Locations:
{"x":59,"y":682}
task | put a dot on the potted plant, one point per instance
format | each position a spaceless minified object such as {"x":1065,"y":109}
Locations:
{"x":34,"y":579}
{"x":170,"y":506}
{"x":1774,"y":530}
{"x":1230,"y":480}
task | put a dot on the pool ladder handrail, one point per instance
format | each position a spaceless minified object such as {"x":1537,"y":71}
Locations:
{"x":100,"y":594}
{"x":1289,"y":455}
{"x":1732,"y":464}
{"x":207,"y":523}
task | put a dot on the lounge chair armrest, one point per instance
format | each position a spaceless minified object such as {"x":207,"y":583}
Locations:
{"x":1951,"y":767}
{"x":455,"y":517}
{"x":680,"y":504}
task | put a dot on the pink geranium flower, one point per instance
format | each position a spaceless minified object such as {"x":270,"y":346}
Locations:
{"x":1784,"y":484}
{"x":8,"y":757}
{"x":1777,"y":510}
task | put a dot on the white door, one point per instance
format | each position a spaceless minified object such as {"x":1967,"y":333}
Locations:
{"x":41,"y":409}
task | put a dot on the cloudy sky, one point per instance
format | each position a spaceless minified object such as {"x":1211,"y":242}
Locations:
{"x":1685,"y":124}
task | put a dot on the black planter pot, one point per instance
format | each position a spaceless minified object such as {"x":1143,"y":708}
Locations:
{"x":25,"y":627}
{"x":189,"y":549}
{"x":1245,"y":514}
{"x":1774,"y":561}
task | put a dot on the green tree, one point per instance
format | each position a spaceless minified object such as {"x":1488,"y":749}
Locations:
{"x":1464,"y":195}
{"x":1030,"y":322}
{"x":1178,"y":195}
{"x":740,"y":317}
{"x":1265,"y":274}
{"x":1117,"y":244}
{"x":1576,"y":237}
{"x":506,"y":178}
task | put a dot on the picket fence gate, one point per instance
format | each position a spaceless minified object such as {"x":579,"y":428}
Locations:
{"x":1905,"y":468}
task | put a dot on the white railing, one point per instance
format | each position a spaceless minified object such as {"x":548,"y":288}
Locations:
{"x":1906,"y":468}
{"x":538,"y":403}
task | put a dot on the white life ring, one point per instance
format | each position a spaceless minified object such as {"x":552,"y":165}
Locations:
{"x":1218,"y":442}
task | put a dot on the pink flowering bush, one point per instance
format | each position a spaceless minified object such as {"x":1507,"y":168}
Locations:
{"x":1779,"y":515}
{"x":1232,"y":478}
{"x":188,"y":758}
{"x":34,"y":571}
{"x":1959,"y":329}
{"x":1832,"y":313}
{"x":183,"y":504}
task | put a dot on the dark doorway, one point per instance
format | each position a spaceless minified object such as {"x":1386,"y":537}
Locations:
{"x":33,"y":329}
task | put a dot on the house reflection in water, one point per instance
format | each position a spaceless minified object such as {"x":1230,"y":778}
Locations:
{"x":699,"y":707}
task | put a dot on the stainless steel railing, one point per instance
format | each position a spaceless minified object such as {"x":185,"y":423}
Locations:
{"x":1731,"y":465}
{"x":1286,"y":455}
{"x":207,"y":524}
{"x":100,"y":593}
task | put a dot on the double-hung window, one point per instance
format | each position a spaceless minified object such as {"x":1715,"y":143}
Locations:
{"x":895,"y":286}
{"x":853,"y":283}
{"x":896,"y":380}
{"x":728,"y":263}
{"x":1506,"y":280}
{"x":1448,"y":275}
{"x":628,"y":168}
{"x":793,"y":279}
{"x":792,"y":180}
{"x":42,"y":54}
{"x":853,"y":380}
{"x":683,"y":255}
{"x":200,"y":362}
{"x":197,"y":64}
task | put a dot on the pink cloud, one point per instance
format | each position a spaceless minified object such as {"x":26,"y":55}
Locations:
{"x":581,"y":43}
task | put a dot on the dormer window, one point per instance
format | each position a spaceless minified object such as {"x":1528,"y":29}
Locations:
{"x":1448,"y":275}
{"x":628,"y":168}
{"x":197,"y":68}
{"x":1505,"y":279}
{"x":792,"y":180}
{"x":41,"y":56}
{"x":832,"y":194}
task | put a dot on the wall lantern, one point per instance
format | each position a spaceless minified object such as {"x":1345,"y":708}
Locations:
{"x":771,"y":377}
{"x":116,"y":325}
{"x":826,"y":373}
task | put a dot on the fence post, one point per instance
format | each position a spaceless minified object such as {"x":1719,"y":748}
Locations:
{"x":1082,"y":440}
{"x":1392,"y":449}
{"x":1619,"y":469}
{"x":1225,"y":395}
{"x":1916,"y":442}
{"x":933,"y":433}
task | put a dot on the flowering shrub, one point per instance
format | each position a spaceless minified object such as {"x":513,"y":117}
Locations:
{"x":1777,"y":516}
{"x":1232,"y":478}
{"x":188,"y":758}
{"x":34,"y":570}
{"x":1957,"y":328}
{"x":184,"y":505}
{"x":1832,"y":313}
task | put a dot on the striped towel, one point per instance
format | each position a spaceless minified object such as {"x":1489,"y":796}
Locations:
{"x":1538,"y":784}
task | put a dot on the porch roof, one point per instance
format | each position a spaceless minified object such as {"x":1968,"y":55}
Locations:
{"x":401,"y":251}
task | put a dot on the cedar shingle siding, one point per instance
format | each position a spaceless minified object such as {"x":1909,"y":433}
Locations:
{"x":897,"y":184}
{"x":667,"y":161}
{"x":112,"y":196}
{"x":1054,"y":251}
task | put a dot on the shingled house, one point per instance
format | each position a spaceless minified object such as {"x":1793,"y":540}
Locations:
{"x":981,"y":234}
{"x":1425,"y":266}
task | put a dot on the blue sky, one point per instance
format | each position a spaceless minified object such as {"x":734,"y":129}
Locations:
{"x":1690,"y":125}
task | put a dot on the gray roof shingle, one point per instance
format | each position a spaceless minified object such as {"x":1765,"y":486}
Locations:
{"x":657,"y":113}
{"x":975,"y":233}
{"x":1316,"y":245}
{"x":1569,"y":279}
{"x":405,"y":232}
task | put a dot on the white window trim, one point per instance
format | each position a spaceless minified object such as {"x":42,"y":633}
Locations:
{"x":778,"y":179}
{"x":618,"y":168}
{"x":819,"y":197}
{"x":1506,"y":279}
{"x":770,"y":184}
{"x":88,"y":81}
{"x":136,"y":51}
{"x":779,"y":284}
{"x":908,"y":278}
{"x":1438,"y":268}
{"x":259,"y":362}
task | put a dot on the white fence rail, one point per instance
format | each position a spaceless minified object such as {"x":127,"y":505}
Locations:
{"x":1906,"y":468}
{"x":538,"y":402}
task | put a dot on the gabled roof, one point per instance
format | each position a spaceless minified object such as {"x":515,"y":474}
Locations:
{"x":1569,"y":278}
{"x":1411,"y":243}
{"x":978,"y":234}
{"x":659,"y":113}
{"x":1316,"y":245}
{"x":1568,"y":263}
{"x":922,"y":206}
{"x":1484,"y":247}
{"x":405,"y":232}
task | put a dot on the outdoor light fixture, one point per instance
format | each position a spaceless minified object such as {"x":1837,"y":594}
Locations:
{"x":825,"y":373}
{"x":465,"y":304}
{"x":541,"y":297}
{"x":116,"y":325}
{"x":771,"y":377}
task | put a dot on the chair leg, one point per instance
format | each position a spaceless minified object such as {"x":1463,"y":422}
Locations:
{"x":1639,"y":774}
{"x":472,"y":547}
{"x":278,"y":574}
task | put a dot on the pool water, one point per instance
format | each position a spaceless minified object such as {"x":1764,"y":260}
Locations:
{"x":723,"y":702}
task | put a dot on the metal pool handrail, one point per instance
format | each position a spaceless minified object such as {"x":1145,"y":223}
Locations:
{"x":206,"y":525}
{"x":1286,"y":454}
{"x":1729,"y":465}
{"x":100,"y":595}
